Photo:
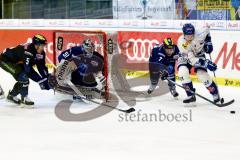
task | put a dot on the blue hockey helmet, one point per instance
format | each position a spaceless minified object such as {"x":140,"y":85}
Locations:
{"x":188,"y":29}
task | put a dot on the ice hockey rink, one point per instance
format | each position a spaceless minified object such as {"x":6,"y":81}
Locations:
{"x":212,"y":132}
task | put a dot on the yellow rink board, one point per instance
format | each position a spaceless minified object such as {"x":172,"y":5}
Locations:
{"x":134,"y":74}
{"x":219,"y":80}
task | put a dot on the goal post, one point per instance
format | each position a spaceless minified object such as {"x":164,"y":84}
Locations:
{"x":64,"y":40}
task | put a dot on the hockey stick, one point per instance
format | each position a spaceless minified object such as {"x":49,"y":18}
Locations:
{"x":75,"y":89}
{"x":206,"y":99}
{"x":211,"y":61}
{"x":91,"y":100}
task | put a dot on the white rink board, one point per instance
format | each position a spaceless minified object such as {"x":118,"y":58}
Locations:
{"x":38,"y":134}
{"x":229,"y":63}
{"x":222,"y":32}
{"x":219,"y":38}
{"x":117,"y":23}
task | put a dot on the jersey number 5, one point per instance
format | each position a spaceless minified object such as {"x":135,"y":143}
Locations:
{"x":27,"y":61}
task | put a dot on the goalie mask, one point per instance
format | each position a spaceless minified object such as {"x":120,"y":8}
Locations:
{"x":88,"y":46}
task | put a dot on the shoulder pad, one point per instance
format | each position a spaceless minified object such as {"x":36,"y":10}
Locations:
{"x":28,"y":53}
{"x":157,"y":46}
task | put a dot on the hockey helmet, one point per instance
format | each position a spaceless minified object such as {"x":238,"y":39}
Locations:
{"x":168,"y":43}
{"x":39,"y":39}
{"x":188,"y":29}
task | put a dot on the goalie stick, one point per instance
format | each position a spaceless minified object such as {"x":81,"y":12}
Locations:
{"x":206,"y":99}
{"x":91,"y":100}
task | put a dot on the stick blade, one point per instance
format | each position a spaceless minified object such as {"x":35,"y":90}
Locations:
{"x":226,"y":104}
{"x":130,"y":110}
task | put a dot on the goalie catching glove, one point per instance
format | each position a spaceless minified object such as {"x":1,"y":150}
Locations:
{"x":101,"y":82}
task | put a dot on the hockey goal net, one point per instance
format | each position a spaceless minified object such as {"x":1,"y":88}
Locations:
{"x":64,"y":40}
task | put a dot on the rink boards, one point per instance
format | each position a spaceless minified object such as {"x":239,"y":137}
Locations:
{"x":136,"y":45}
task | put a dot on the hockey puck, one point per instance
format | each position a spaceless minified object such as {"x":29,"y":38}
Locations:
{"x":232,"y":112}
{"x":130,"y":110}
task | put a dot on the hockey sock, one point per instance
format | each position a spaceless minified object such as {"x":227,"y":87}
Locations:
{"x":188,"y":87}
{"x":171,"y":85}
{"x":213,"y":89}
{"x":154,"y":77}
{"x":16,"y":89}
{"x":24,"y":89}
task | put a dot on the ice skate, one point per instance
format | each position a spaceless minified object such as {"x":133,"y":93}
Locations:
{"x":151,"y":88}
{"x":27,"y":102}
{"x":13,"y":99}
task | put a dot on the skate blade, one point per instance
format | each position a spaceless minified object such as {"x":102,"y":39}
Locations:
{"x":26,"y":106}
{"x":78,"y":100}
{"x":12,"y":102}
{"x":189,"y":105}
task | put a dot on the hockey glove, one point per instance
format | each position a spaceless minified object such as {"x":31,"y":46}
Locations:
{"x":163,"y":74}
{"x":205,"y":63}
{"x":208,"y":48}
{"x":211,"y":66}
{"x":44,"y":84}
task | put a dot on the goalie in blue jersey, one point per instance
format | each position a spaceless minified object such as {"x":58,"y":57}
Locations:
{"x":82,"y":66}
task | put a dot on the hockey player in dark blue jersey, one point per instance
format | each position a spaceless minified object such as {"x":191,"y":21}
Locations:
{"x":19,"y":62}
{"x":81,"y":65}
{"x":162,"y":65}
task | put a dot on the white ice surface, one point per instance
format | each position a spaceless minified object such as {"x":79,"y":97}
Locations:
{"x":37,"y":134}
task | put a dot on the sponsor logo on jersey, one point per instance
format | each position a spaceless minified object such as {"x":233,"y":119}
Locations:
{"x":185,"y":45}
{"x":94,"y":63}
{"x":39,"y":56}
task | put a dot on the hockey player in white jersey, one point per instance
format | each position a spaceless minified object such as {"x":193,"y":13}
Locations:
{"x":193,"y":46}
